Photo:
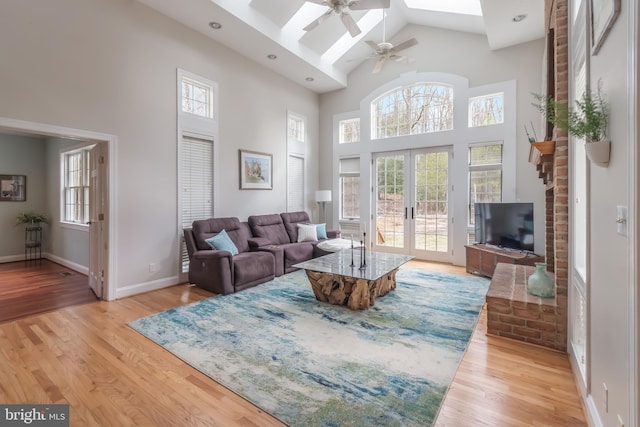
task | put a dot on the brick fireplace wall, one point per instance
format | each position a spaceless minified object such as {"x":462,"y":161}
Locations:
{"x":557,"y":195}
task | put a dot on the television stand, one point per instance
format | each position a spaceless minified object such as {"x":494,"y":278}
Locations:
{"x":482,"y":258}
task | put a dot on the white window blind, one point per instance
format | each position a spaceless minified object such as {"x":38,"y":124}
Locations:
{"x":196,"y":179}
{"x":295,"y":184}
{"x":350,"y":188}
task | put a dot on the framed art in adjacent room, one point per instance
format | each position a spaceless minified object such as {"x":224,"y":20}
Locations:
{"x":256,"y":170}
{"x":603,"y":15}
{"x":13,"y":188}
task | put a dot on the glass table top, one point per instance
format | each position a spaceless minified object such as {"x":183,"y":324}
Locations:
{"x":377,"y":263}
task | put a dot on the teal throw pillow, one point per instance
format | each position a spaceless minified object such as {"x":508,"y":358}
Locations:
{"x":322,"y":231}
{"x":222,"y":242}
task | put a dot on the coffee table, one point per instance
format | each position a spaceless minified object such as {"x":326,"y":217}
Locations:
{"x":335,"y":281}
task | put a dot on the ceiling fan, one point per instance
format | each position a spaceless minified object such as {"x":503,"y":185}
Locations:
{"x":385,"y":51}
{"x":342,"y":7}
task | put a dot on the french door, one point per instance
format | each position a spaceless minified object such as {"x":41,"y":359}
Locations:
{"x":411,"y":203}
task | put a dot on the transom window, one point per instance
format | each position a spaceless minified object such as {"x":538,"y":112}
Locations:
{"x":295,"y":128}
{"x":75,"y":186}
{"x":486,"y":110}
{"x":196,"y":98}
{"x":415,"y":109}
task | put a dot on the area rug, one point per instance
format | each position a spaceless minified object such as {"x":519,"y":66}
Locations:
{"x":309,"y":363}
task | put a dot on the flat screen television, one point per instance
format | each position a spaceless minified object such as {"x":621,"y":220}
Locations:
{"x":506,"y":225}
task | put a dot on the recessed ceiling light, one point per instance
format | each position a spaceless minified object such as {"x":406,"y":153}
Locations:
{"x":309,"y":79}
{"x":215,"y":25}
{"x":271,"y":56}
{"x":518,"y":18}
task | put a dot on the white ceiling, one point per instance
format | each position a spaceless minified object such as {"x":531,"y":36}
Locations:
{"x":256,"y":28}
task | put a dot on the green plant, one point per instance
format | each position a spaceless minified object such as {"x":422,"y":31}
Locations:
{"x":588,"y":119}
{"x":31,"y":217}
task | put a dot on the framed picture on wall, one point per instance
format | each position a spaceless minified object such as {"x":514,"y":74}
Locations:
{"x":603,"y":15}
{"x":13,"y":188}
{"x":256,"y":170}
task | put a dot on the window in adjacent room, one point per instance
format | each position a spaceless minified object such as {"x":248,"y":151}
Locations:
{"x":349,"y":131}
{"x":296,"y":152}
{"x":486,"y":110}
{"x":350,"y":189}
{"x":415,"y":109}
{"x":485,"y":179}
{"x":76,"y":175}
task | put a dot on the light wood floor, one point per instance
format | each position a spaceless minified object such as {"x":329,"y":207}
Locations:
{"x":88,"y":357}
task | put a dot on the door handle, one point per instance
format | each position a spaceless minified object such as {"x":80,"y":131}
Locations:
{"x":412,"y":212}
{"x":405,"y":213}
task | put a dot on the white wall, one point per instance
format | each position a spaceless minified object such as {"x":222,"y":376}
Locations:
{"x":109,"y":66}
{"x":466,"y":55}
{"x":611,"y":323}
{"x":21,"y":155}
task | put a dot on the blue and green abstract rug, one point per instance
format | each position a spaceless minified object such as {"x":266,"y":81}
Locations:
{"x":309,"y":363}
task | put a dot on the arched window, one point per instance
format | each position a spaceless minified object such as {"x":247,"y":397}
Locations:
{"x":415,"y":109}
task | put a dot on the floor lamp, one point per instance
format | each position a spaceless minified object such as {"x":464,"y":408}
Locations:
{"x":322,"y":197}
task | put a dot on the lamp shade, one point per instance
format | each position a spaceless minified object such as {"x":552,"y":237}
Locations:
{"x":323,"y":196}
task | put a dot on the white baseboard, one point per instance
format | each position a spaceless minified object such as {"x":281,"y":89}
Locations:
{"x":592,"y":413}
{"x":69,"y":264}
{"x":11,"y":258}
{"x":153,"y":285}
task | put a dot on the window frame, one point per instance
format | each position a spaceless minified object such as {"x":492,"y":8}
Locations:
{"x":195,"y":126}
{"x":482,"y":167}
{"x":297,"y":148}
{"x":65,"y":154}
{"x":342,"y":175}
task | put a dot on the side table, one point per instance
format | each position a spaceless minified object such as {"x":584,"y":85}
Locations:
{"x":32,"y":243}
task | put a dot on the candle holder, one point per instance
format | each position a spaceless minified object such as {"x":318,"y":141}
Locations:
{"x":352,"y":263}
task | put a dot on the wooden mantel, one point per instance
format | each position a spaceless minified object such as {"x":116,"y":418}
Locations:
{"x":543,"y":164}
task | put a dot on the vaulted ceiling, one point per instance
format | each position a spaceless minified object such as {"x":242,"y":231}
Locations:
{"x":321,"y":59}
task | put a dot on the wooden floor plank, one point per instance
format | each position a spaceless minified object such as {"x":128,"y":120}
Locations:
{"x":87,"y":356}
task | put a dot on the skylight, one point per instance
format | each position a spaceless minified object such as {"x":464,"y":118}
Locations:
{"x":462,"y":7}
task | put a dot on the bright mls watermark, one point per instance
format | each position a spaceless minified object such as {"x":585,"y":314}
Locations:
{"x":34,"y":415}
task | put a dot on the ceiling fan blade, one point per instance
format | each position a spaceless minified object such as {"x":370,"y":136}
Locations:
{"x":369,"y":4}
{"x":322,"y":2}
{"x":405,"y":45}
{"x":350,"y":23}
{"x":319,"y":20}
{"x":379,"y":63}
{"x":400,"y":58}
{"x":372,"y":44}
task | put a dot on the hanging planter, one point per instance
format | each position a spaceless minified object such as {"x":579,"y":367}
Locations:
{"x":545,"y":147}
{"x":587,"y":119}
{"x":598,"y":152}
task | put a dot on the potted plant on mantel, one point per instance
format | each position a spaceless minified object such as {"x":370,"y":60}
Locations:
{"x":31,"y":219}
{"x":588,"y":120}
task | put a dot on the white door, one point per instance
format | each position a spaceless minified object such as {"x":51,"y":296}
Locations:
{"x":97,"y":209}
{"x":411,"y":203}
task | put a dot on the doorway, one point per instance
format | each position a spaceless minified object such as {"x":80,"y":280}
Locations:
{"x":102,"y":239}
{"x":412,"y":203}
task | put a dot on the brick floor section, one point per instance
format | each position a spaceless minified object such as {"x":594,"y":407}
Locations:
{"x":514,"y":313}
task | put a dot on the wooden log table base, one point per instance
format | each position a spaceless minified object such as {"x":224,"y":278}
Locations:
{"x":357,"y":294}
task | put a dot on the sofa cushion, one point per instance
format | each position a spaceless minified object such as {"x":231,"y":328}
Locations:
{"x":238,"y":232}
{"x":251,"y":266}
{"x":322,"y":231}
{"x":269,"y":227}
{"x":307,"y":233}
{"x":222,"y":242}
{"x":291,"y":220}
